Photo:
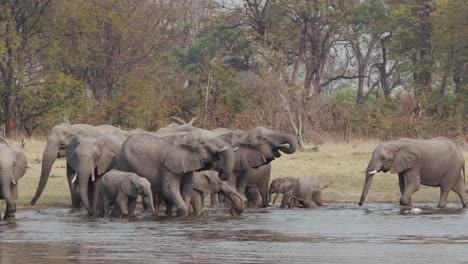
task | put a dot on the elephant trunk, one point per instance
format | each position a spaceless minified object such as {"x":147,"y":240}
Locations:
{"x":150,"y":200}
{"x":237,"y":205}
{"x":287,"y":143}
{"x":370,"y":171}
{"x":83,"y":176}
{"x":226,"y":164}
{"x":48,"y":159}
{"x":6,"y":182}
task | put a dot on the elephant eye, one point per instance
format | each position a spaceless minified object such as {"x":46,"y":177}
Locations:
{"x":203,"y":142}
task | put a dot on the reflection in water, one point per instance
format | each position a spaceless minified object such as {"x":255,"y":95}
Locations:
{"x":338,"y":233}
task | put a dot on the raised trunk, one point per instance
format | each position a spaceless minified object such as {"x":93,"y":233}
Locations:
{"x":48,"y":159}
{"x":6,"y":185}
{"x":288,"y":139}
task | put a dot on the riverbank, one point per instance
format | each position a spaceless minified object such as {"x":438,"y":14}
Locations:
{"x":342,"y":164}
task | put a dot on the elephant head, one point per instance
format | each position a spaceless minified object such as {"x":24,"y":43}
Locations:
{"x":138,"y":186}
{"x":196,"y":151}
{"x":394,"y":156}
{"x":57,"y":141}
{"x":90,"y":157}
{"x":12,"y":167}
{"x":281,"y":185}
{"x":259,"y":146}
{"x":208,"y":182}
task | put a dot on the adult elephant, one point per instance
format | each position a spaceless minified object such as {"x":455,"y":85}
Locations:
{"x":253,"y":149}
{"x":434,"y":162}
{"x":57,"y":141}
{"x":169,"y":162}
{"x":88,"y":158}
{"x":260,"y":179}
{"x":12,"y":167}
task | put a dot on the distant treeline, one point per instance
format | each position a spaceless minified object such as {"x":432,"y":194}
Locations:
{"x":319,"y":69}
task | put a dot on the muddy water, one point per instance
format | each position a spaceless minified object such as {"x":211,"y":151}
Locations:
{"x":337,"y":233}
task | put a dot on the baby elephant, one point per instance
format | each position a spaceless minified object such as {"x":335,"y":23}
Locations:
{"x":12,"y":167}
{"x":302,"y":191}
{"x":121,"y":189}
{"x":208,"y":182}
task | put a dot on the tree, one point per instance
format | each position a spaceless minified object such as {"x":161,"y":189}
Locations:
{"x":21,"y":28}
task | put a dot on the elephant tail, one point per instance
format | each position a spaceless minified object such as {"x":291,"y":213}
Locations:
{"x":327,"y":186}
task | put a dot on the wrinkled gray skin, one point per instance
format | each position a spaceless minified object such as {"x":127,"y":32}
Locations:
{"x":58,"y":139}
{"x":168,"y":163}
{"x":208,"y":182}
{"x":304,"y":191}
{"x":260,"y":178}
{"x":433,"y":162}
{"x":12,"y":167}
{"x":253,"y":149}
{"x":88,"y":158}
{"x":121,"y":189}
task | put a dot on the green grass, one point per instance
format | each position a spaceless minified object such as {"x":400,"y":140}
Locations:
{"x":344,"y":164}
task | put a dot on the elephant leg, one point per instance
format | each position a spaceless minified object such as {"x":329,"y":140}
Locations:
{"x":286,"y":199}
{"x":214,"y":200}
{"x":157,"y":201}
{"x":121,"y":202}
{"x":186,"y":188}
{"x":74,"y":191}
{"x":105,"y":206}
{"x":309,"y":204}
{"x":241,"y":183}
{"x":171,"y":190}
{"x":145,"y":203}
{"x":460,"y":189}
{"x":169,"y":206}
{"x":317,"y":197}
{"x":255,"y":196}
{"x":412,"y":185}
{"x":132,"y":206}
{"x":264,"y":196}
{"x":197,"y":204}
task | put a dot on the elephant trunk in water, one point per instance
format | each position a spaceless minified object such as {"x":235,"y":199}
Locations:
{"x":48,"y":159}
{"x":369,"y":175}
{"x":149,"y":194}
{"x":83,"y":176}
{"x":235,"y":198}
{"x":6,"y":183}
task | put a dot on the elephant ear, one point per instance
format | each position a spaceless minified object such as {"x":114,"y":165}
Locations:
{"x":128,"y":187}
{"x":21,"y":164}
{"x":247,"y":157}
{"x":109,"y":150}
{"x":181,"y":159}
{"x":406,"y":157}
{"x":201,"y":182}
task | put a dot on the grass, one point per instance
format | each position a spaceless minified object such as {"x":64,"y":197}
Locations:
{"x":344,"y":164}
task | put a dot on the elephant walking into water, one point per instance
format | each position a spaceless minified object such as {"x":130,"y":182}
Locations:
{"x":208,"y":182}
{"x":12,"y":167}
{"x":297,"y":191}
{"x":433,"y":162}
{"x":121,"y":189}
{"x":169,"y":163}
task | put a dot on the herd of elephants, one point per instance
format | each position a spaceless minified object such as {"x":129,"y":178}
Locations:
{"x":177,"y":166}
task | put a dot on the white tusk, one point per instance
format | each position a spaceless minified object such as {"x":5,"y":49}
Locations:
{"x":92,"y":177}
{"x":74,"y":178}
{"x":235,"y":149}
{"x":13,"y":181}
{"x":223,"y":149}
{"x":373,"y":172}
{"x":286,"y":145}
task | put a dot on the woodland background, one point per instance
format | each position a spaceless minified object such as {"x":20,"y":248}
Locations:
{"x":322,"y":70}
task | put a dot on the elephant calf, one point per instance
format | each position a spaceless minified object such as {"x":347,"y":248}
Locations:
{"x":208,"y":182}
{"x":12,"y":167}
{"x":122,"y":189}
{"x":302,"y":191}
